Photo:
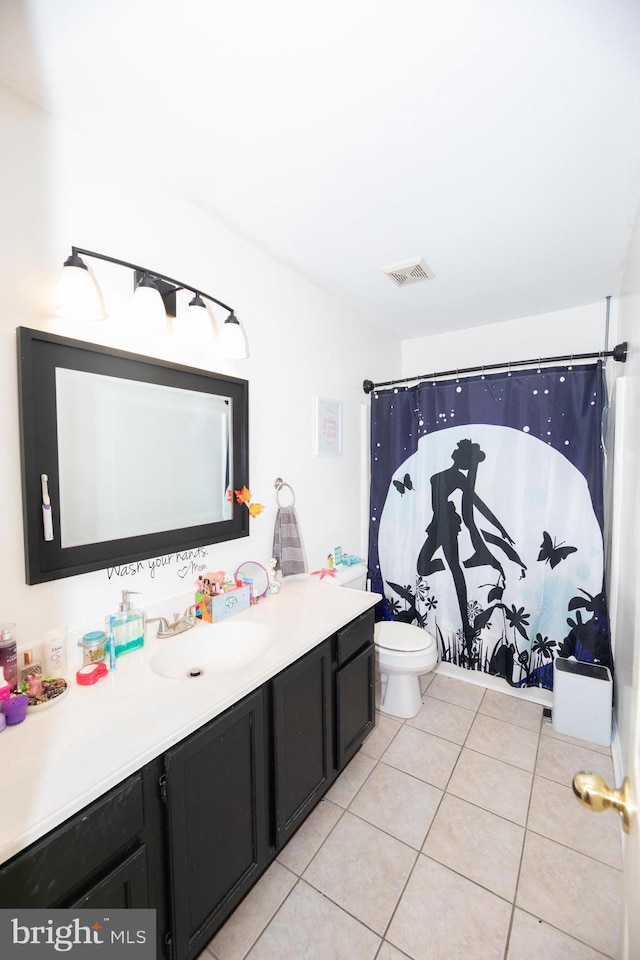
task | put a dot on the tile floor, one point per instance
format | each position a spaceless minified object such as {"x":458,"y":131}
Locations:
{"x":451,"y":835}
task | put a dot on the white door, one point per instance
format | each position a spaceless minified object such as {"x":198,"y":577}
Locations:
{"x":631,"y":886}
{"x":626,"y":627}
{"x":624,"y":597}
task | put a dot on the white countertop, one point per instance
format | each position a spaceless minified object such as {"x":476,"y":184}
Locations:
{"x":60,"y":759}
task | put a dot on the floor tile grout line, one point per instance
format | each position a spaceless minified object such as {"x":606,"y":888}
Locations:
{"x":342,"y":908}
{"x":581,"y":853}
{"x":420,"y":851}
{"x":464,"y":876}
{"x":268,"y":922}
{"x":524,"y":843}
{"x":499,"y":759}
{"x":569,"y":935}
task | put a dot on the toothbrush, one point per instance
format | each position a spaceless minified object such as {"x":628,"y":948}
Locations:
{"x":47,"y":518}
{"x":112,"y":644}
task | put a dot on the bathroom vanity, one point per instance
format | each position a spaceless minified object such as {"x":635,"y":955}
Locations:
{"x":190,"y":830}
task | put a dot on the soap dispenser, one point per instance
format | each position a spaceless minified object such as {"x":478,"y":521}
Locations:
{"x":127,"y":625}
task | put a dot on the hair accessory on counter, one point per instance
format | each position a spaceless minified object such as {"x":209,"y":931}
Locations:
{"x":15,"y":709}
{"x":90,"y":673}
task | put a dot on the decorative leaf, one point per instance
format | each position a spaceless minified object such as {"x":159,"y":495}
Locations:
{"x":576,"y":602}
{"x":407,"y":616}
{"x":499,"y":542}
{"x":404,"y":592}
{"x":483,"y":619}
{"x":244,"y":495}
{"x":255,"y":509}
{"x":495,"y":594}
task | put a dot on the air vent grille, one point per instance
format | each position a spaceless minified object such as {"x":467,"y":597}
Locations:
{"x":410,"y":271}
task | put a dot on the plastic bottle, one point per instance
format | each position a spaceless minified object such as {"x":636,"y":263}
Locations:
{"x":5,"y":689}
{"x":9,"y":653}
{"x":127,"y":625}
{"x":54,"y":660}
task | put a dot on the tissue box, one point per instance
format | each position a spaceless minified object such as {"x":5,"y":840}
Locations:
{"x":219,"y":606}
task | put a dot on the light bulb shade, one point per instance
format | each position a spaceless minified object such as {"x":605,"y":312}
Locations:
{"x":148,"y":307}
{"x":232,"y":339}
{"x":77,"y":296}
{"x":194,"y":323}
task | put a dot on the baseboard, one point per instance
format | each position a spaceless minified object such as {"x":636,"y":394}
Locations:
{"x":535,"y":694}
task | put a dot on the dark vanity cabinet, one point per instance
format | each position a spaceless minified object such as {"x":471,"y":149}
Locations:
{"x":323,"y":708}
{"x":302,"y":739}
{"x":354,"y":687}
{"x":109,"y":855}
{"x":191,"y":832}
{"x":217,"y":805}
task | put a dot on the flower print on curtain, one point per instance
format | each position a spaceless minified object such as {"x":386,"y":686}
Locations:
{"x":487,"y":514}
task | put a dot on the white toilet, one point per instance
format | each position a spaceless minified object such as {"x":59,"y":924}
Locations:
{"x":403,"y":653}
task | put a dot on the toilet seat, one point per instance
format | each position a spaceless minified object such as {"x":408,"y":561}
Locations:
{"x":404,"y":652}
{"x":402,"y":637}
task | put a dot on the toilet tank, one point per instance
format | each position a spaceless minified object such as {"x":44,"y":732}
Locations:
{"x":353,"y":576}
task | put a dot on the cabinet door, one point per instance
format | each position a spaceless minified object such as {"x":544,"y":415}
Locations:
{"x":124,"y":888}
{"x":302,"y":738}
{"x":58,"y":869}
{"x":355,"y":704}
{"x":215,"y":790}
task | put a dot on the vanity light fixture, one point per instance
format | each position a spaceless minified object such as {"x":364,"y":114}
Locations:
{"x":194,"y":322}
{"x":79,"y":298}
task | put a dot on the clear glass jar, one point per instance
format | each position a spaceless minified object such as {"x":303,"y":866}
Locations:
{"x":94,"y":647}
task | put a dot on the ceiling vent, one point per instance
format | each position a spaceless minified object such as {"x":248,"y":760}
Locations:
{"x":410,"y":271}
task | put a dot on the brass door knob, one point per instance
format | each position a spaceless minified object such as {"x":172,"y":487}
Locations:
{"x":595,"y":794}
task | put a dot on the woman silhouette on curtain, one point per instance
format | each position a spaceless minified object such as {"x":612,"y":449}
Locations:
{"x":445,"y":527}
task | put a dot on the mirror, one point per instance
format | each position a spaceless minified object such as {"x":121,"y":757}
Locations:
{"x":140,"y":455}
{"x":257,"y":574}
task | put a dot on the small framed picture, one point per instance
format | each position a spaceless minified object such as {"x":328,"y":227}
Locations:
{"x":328,"y":432}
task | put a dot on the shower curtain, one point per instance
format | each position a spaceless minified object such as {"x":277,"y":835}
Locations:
{"x":487,"y":517}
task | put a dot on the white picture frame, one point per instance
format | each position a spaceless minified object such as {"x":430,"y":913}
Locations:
{"x":328,"y":427}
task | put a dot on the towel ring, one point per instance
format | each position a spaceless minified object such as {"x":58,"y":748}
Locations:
{"x":279,"y":484}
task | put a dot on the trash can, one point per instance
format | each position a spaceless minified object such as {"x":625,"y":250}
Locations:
{"x":582,"y":700}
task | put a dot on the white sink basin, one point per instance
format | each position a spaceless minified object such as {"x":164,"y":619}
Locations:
{"x":210,"y":650}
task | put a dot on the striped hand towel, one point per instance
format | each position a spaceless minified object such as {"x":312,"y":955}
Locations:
{"x":287,"y":546}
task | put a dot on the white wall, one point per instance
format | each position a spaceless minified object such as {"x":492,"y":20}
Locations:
{"x":59,"y":189}
{"x":578,"y":330}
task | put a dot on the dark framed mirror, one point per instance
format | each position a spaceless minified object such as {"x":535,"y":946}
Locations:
{"x":141,"y":456}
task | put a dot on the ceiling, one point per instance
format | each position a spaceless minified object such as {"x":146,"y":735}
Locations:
{"x":500,"y":140}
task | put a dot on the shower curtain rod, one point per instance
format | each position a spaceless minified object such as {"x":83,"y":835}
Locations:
{"x":618,"y":353}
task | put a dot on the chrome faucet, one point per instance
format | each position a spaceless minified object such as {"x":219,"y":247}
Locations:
{"x":179,"y":624}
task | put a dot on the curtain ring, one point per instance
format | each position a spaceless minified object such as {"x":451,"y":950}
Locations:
{"x":509,"y":368}
{"x":539,"y":362}
{"x":482,"y":374}
{"x":570,"y":367}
